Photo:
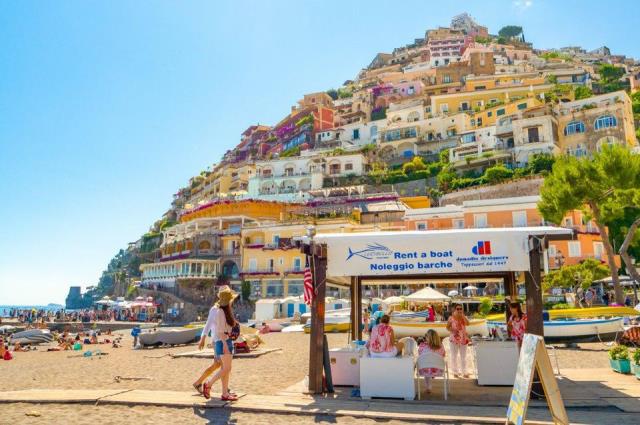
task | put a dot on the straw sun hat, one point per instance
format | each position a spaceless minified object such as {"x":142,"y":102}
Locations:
{"x":226,"y":295}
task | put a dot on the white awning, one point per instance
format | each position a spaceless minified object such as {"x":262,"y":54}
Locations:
{"x":426,"y":295}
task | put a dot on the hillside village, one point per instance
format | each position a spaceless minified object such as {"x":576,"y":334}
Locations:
{"x":454,"y":130}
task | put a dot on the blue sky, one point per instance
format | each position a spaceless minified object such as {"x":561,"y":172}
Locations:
{"x":106,"y":108}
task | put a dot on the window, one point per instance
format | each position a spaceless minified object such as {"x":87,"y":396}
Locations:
{"x":606,"y":121}
{"x":480,"y":221}
{"x":348,"y":167}
{"x":253,"y":264}
{"x":444,"y":108}
{"x":297,"y":264}
{"x":553,"y":251}
{"x":598,"y":250}
{"x":373,"y":132}
{"x":500,"y":112}
{"x":574,"y":127}
{"x":270,"y":264}
{"x":490,"y":114}
{"x":479,"y":122}
{"x":421,"y":226}
{"x":446,"y":78}
{"x":458,"y":223}
{"x":480,"y":104}
{"x":574,"y":249}
{"x":356,"y":134}
{"x":522,"y":106}
{"x":519,"y":218}
{"x":294,"y":288}
{"x":464,"y":106}
{"x":276,"y":240}
{"x":568,"y":222}
{"x":275,"y":288}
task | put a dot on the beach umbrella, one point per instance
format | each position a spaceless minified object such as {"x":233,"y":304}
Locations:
{"x":394,"y":300}
{"x":427,"y":295}
{"x":470,"y":288}
{"x":453,"y":293}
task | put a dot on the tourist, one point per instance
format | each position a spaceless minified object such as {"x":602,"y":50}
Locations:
{"x":382,"y":342}
{"x":517,"y":324}
{"x":431,"y":344}
{"x":209,"y":329}
{"x":224,"y":325}
{"x":458,"y":340}
{"x":135,"y":332}
{"x":588,"y":297}
{"x":265,"y":329}
{"x":375,"y":317}
{"x":431,"y":314}
{"x":605,"y":298}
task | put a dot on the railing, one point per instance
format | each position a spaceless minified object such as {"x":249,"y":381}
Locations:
{"x":527,"y":140}
{"x":231,"y":252}
{"x":254,"y":272}
{"x":294,"y":174}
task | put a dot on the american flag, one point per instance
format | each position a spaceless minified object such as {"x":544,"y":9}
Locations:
{"x":308,"y":283}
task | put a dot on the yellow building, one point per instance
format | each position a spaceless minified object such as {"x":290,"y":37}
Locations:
{"x":468,"y":100}
{"x":252,"y":208}
{"x":488,"y":82}
{"x":487,"y":115}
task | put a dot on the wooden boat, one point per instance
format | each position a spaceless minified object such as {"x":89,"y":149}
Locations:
{"x":564,"y":331}
{"x":32,"y":337}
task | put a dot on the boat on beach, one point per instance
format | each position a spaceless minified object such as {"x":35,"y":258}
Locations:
{"x":32,"y":337}
{"x":169,"y":336}
{"x":414,"y":324}
{"x":565,"y":331}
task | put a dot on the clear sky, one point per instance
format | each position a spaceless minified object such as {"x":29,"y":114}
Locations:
{"x":106,"y":108}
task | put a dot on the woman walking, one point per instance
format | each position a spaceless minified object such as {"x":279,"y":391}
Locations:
{"x":458,"y":340}
{"x":223,"y":343}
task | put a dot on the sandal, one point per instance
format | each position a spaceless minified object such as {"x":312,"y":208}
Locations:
{"x":206,"y":391}
{"x":230,"y":397}
{"x":198,"y":388}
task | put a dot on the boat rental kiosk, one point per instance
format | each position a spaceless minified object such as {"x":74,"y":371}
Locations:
{"x":352,"y":260}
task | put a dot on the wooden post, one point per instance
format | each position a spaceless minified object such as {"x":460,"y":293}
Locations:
{"x":354,"y":302}
{"x":533,"y":286}
{"x":359,"y":308}
{"x":535,"y":322}
{"x":316,"y":345}
{"x":511,"y":291}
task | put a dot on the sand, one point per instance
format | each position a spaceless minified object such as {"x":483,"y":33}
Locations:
{"x":268,"y":374}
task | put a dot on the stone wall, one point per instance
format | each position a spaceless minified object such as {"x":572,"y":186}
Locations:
{"x":521,"y":187}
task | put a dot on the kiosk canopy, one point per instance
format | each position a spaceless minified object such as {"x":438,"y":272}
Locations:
{"x":431,"y":252}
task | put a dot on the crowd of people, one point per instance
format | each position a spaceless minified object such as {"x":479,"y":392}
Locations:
{"x":34,"y":316}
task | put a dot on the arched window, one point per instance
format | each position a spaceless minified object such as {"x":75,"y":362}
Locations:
{"x":606,"y":121}
{"x":574,"y":127}
{"x":413,"y":117}
{"x":607,"y":141}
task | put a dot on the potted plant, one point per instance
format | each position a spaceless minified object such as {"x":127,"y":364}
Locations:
{"x":635,"y":363}
{"x":619,"y":359}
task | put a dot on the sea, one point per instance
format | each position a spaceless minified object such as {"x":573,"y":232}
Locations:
{"x":4,"y":309}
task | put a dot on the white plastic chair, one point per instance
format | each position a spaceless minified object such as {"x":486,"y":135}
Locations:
{"x":429,"y":359}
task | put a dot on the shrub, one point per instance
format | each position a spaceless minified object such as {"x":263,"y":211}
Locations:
{"x":619,"y":352}
{"x":497,"y":173}
{"x":636,"y":357}
{"x":561,"y":306}
{"x":245,"y":289}
{"x":485,"y":306}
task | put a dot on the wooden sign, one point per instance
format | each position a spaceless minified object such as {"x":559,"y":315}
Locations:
{"x":533,"y":355}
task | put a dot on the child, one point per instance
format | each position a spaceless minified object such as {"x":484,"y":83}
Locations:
{"x":432,"y":344}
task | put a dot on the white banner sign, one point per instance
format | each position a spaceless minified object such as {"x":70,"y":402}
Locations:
{"x":425,"y":253}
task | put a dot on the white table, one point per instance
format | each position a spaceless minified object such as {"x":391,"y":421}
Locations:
{"x":496,"y":362}
{"x":387,"y":377}
{"x":345,"y":366}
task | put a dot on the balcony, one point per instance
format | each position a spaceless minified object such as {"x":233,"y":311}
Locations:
{"x":261,"y":272}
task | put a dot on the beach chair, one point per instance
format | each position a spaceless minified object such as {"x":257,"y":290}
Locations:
{"x":427,"y":360}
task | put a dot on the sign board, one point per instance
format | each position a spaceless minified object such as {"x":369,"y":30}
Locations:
{"x":533,"y":355}
{"x":461,"y":251}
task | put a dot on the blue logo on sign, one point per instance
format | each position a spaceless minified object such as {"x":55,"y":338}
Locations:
{"x":371,"y":251}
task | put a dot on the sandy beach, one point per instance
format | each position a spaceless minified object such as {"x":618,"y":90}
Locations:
{"x":268,"y":374}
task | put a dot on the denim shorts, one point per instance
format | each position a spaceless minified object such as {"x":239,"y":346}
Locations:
{"x":220,"y":348}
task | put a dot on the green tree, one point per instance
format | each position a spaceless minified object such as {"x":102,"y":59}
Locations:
{"x":582,"y":92}
{"x":510,"y":31}
{"x":245,"y":290}
{"x":602,"y":186}
{"x":576,"y":276}
{"x":541,"y":162}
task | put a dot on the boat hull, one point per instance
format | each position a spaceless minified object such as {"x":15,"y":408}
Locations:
{"x":580,"y":331}
{"x":170,"y":336}
{"x":403,"y":328}
{"x":32,"y":337}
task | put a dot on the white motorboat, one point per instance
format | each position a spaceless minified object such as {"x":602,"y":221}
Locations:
{"x":579,"y":330}
{"x":169,"y":336}
{"x":32,"y":337}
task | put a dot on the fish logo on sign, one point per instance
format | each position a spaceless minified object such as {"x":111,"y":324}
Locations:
{"x":370,"y":252}
{"x":482,"y":248}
